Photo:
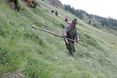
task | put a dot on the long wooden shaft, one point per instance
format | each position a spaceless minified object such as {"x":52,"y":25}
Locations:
{"x":51,"y":33}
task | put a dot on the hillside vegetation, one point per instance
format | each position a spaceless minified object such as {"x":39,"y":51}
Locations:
{"x":95,"y":20}
{"x":36,"y":54}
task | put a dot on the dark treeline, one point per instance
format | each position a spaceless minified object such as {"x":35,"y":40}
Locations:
{"x":56,"y":3}
{"x":92,"y":19}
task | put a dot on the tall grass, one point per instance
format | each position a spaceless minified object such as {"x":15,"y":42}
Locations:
{"x":41,"y":55}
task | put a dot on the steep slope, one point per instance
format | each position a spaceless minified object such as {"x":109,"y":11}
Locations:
{"x":94,"y":20}
{"x":37,"y":54}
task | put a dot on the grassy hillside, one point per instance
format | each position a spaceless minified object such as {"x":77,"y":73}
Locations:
{"x":94,"y":20}
{"x":37,"y":54}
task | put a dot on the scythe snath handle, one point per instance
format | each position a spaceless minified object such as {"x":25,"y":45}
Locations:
{"x":34,"y":26}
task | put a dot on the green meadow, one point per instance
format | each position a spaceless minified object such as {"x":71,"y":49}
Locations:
{"x":37,"y":54}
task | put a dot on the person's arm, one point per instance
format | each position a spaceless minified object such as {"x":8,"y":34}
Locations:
{"x":77,"y":37}
{"x":65,"y":32}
